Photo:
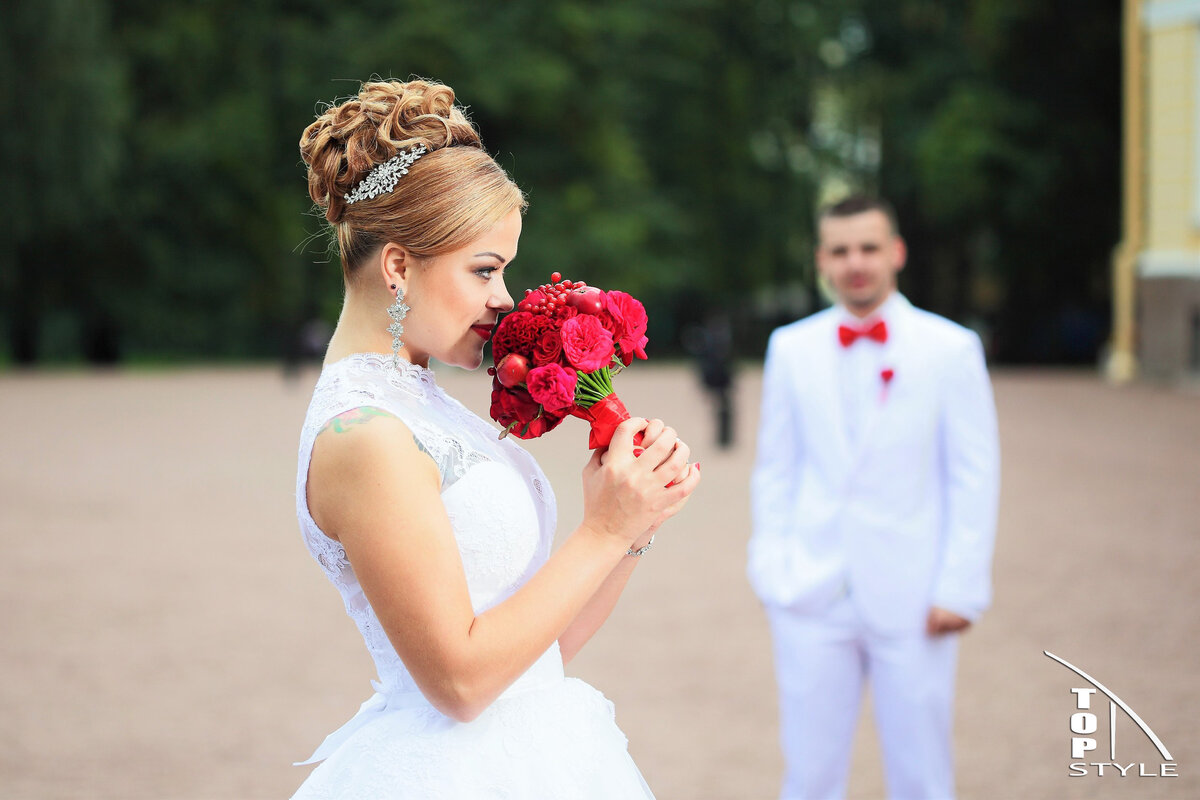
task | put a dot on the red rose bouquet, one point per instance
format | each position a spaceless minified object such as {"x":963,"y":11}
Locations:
{"x":556,"y":355}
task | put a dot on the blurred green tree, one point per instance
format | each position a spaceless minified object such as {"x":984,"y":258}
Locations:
{"x":675,"y":148}
{"x":1000,"y":124}
{"x":65,"y":87}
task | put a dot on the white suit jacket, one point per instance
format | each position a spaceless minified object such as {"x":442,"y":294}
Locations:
{"x":903,"y":520}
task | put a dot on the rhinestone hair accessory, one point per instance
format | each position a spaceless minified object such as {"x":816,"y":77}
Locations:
{"x":383,"y":177}
{"x":397,"y":311}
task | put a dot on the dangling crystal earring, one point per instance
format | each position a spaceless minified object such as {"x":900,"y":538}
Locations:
{"x":397,"y":311}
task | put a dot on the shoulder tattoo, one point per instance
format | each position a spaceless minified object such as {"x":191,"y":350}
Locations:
{"x":355,"y":416}
{"x":361,"y":416}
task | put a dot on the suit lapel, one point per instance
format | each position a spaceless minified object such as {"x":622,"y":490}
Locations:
{"x":828,"y":380}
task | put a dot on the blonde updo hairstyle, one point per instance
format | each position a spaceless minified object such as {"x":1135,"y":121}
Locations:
{"x":451,"y":196}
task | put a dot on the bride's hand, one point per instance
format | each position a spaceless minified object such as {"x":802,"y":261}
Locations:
{"x":624,"y":494}
{"x":692,"y":470}
{"x":654,"y":429}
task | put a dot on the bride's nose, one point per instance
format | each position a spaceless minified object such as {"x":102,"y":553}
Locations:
{"x":501,"y":300}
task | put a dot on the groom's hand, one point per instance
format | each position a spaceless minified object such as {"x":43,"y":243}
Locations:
{"x":942,"y":621}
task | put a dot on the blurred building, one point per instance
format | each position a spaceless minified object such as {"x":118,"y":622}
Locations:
{"x":1157,"y":267}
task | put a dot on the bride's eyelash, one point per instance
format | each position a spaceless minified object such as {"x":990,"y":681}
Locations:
{"x":485,"y":272}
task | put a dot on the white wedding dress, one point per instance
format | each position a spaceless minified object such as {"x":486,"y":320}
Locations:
{"x":546,"y":736}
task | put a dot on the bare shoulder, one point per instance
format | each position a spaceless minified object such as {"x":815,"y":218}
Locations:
{"x":358,"y":454}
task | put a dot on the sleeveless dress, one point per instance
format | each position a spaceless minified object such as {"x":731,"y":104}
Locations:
{"x":547,"y":735}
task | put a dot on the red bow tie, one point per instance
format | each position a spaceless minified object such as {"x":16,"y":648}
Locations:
{"x":848,"y":336}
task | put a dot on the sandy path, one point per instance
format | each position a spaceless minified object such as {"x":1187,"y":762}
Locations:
{"x":167,"y":636}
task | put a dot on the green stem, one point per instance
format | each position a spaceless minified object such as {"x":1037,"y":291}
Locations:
{"x":592,"y":387}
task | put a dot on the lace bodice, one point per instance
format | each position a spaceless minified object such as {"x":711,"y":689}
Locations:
{"x":499,"y":503}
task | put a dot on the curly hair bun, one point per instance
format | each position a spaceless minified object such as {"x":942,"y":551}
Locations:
{"x":345,"y":142}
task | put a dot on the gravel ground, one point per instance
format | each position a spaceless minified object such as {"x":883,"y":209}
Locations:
{"x":167,"y":635}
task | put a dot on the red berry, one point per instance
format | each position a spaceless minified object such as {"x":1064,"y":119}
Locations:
{"x":555,"y":276}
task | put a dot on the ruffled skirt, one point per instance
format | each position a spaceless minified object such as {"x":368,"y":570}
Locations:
{"x":558,"y":740}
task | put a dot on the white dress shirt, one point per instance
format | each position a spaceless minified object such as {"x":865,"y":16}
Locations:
{"x":860,"y":368}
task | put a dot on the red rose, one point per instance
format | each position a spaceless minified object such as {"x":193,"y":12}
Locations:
{"x":552,"y":386}
{"x":536,"y":427}
{"x":547,"y":349}
{"x":586,"y":343}
{"x":628,"y":320}
{"x":512,"y":405}
{"x":518,"y":413}
{"x":537,"y":329}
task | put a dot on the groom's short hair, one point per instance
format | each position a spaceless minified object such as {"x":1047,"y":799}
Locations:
{"x":860,"y":204}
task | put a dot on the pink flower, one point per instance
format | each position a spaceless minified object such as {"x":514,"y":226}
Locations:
{"x":586,"y":343}
{"x":552,"y":386}
{"x":629,"y":322}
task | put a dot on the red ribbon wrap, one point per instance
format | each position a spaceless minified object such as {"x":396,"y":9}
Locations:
{"x":604,"y":417}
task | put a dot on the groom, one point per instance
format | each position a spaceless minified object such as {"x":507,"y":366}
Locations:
{"x":874,"y":497}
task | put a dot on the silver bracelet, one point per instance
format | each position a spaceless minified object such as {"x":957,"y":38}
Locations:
{"x":641,"y":551}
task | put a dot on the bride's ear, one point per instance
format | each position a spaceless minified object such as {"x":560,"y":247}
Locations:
{"x":395,"y":263}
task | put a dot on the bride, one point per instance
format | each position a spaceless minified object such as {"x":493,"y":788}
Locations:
{"x":436,"y":533}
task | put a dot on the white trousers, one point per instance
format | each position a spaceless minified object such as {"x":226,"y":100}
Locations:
{"x":822,"y":663}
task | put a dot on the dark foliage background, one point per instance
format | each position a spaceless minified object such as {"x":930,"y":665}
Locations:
{"x":155,"y":206}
